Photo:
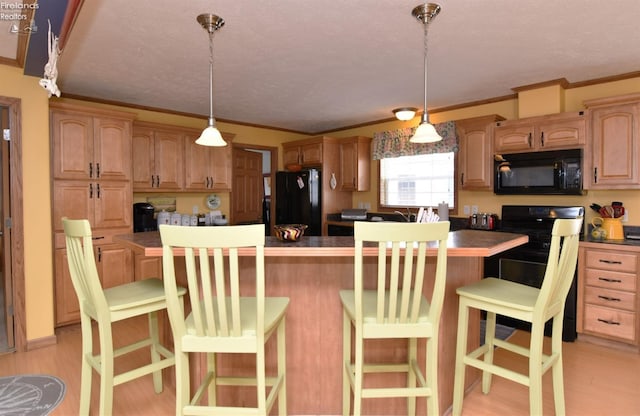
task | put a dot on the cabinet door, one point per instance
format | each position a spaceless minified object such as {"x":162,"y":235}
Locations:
{"x":311,"y":154}
{"x":143,"y":153}
{"x":66,"y":300}
{"x":513,"y":138}
{"x":114,"y":263}
{"x":169,"y":160}
{"x":112,"y":149}
{"x":348,"y":165}
{"x":198,"y":164}
{"x":561,"y":134}
{"x":615,"y":149}
{"x":112,"y":204}
{"x":73,"y":199}
{"x":475,"y":156}
{"x":147,"y":267}
{"x":221,"y":168}
{"x":72,"y":147}
{"x":290,"y":155}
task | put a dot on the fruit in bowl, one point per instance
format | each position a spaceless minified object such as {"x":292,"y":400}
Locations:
{"x":289,"y":232}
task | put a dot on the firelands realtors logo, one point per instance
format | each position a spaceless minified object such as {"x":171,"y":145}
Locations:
{"x":15,"y":13}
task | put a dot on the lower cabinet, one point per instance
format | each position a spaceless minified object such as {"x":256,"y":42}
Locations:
{"x":114,"y":264}
{"x":147,"y":267}
{"x":608,"y":293}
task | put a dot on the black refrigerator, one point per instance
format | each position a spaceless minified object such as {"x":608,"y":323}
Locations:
{"x":299,"y":199}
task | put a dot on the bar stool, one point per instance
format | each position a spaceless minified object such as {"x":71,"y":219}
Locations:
{"x":530,"y":304}
{"x":145,"y":297}
{"x":223,"y":319}
{"x":395,"y":309}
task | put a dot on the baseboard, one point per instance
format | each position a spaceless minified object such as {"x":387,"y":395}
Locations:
{"x":35,"y":344}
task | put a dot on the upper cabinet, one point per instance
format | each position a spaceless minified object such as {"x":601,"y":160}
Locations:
{"x":557,"y":131}
{"x":307,"y":154}
{"x":207,"y":168}
{"x":615,"y":147}
{"x":158,"y":158}
{"x":475,"y":155}
{"x":90,"y":145}
{"x":355,"y":163}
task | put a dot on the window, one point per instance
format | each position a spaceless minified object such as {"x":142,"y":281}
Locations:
{"x":417,"y":181}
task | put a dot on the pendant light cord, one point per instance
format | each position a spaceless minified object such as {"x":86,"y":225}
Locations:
{"x":211,"y":123}
{"x":425,"y":116}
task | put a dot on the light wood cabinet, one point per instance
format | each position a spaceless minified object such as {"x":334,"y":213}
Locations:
{"x":355,"y":163}
{"x":147,"y":267}
{"x":307,"y":154}
{"x":615,"y":147}
{"x":608,"y":293}
{"x":91,"y":169}
{"x":158,"y":158}
{"x":475,"y":155}
{"x":553,"y":132}
{"x":207,"y":168}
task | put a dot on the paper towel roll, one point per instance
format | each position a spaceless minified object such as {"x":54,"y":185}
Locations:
{"x":443,"y":211}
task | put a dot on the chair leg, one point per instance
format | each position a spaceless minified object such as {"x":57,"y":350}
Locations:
{"x":557,"y":371}
{"x":359,"y":372}
{"x":412,"y":356}
{"x":106,"y":368}
{"x":461,"y":351}
{"x":183,"y":384}
{"x":346,"y":360}
{"x":87,"y":370}
{"x":261,"y":382}
{"x":282,"y":369}
{"x":535,"y":368}
{"x":489,"y":337}
{"x":155,"y":355}
{"x":212,"y":388}
{"x":431,"y":373}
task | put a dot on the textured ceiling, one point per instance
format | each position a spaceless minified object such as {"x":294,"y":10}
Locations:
{"x":315,"y":66}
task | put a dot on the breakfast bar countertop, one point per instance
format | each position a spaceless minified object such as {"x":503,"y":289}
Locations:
{"x":461,"y":243}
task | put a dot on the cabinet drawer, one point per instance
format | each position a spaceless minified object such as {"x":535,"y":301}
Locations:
{"x":610,"y":322}
{"x":610,"y":298}
{"x":611,"y":280}
{"x":611,"y":260}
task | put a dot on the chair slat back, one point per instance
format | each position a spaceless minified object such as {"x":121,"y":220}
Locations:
{"x":400,"y":282}
{"x":561,"y":266}
{"x":82,"y":266}
{"x":211,"y":256}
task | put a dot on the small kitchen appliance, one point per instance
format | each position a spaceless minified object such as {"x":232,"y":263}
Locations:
{"x":483,"y":221}
{"x":143,"y":217}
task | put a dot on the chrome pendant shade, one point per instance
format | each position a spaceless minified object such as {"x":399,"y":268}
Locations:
{"x":211,"y":135}
{"x":425,"y":133}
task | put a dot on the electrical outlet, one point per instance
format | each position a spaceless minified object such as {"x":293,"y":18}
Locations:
{"x":625,"y":216}
{"x":467,"y":210}
{"x":474,"y":209}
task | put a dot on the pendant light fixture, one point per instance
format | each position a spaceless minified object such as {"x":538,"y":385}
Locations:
{"x":425,"y":133}
{"x":211,"y":135}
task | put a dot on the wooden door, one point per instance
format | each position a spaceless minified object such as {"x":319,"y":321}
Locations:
{"x":197,"y":165}
{"x":5,"y":237}
{"x":112,"y":149}
{"x":143,"y":153}
{"x":67,"y":306}
{"x":475,"y":155}
{"x":72,"y":136}
{"x":112,"y":204}
{"x":73,"y":199}
{"x":510,"y":138}
{"x":169,"y":160}
{"x":248,"y":189}
{"x":115,"y":264}
{"x":348,"y":165}
{"x":562,"y":133}
{"x":221,"y":168}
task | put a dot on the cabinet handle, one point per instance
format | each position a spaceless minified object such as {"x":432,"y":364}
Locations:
{"x":99,"y":254}
{"x":97,"y":170}
{"x":157,"y":181}
{"x":462,"y":178}
{"x":608,"y":322}
{"x":90,"y":170}
{"x":529,"y":139}
{"x":604,"y":279}
{"x":97,"y":238}
{"x":610,"y":261}
{"x":98,"y":190}
{"x":609,"y":299}
{"x":595,"y":175}
{"x":90,"y":190}
{"x":542,"y":139}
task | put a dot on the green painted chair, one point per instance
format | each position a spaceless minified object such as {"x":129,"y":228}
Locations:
{"x":395,"y":309}
{"x":145,"y":297}
{"x":534,"y":305}
{"x":223,"y":319}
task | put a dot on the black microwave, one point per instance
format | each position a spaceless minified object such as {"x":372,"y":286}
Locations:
{"x":556,"y":172}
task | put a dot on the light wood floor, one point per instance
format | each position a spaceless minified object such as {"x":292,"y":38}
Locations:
{"x":598,"y":380}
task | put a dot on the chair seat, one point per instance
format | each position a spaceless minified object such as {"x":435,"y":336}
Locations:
{"x":370,"y":305}
{"x":502,"y":293}
{"x":275,"y":308}
{"x":135,"y":294}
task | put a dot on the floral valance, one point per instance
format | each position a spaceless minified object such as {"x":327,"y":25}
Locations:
{"x":395,"y":143}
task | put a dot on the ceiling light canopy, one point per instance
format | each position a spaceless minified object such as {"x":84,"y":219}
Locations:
{"x":425,"y":133}
{"x":405,"y":113}
{"x":211,"y":135}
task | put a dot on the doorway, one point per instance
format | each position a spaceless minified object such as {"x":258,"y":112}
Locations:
{"x":12,"y":329}
{"x":251,"y":193}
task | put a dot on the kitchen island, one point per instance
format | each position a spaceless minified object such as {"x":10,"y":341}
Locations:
{"x":311,"y":272}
